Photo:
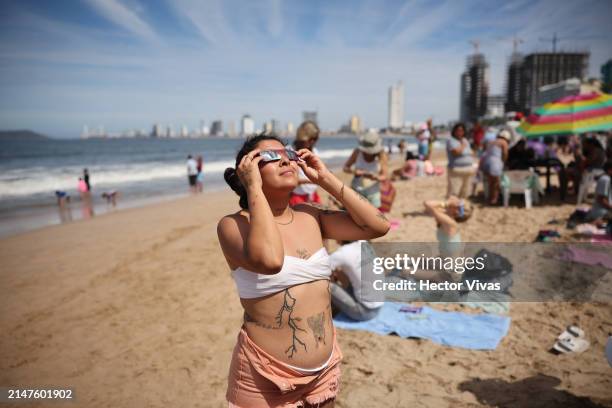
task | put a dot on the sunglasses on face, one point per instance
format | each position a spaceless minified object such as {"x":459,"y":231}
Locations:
{"x":277,"y":154}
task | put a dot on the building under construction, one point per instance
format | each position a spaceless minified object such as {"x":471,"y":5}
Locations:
{"x":474,"y":89}
{"x":515,"y":91}
{"x":549,"y":68}
{"x":526,"y":75}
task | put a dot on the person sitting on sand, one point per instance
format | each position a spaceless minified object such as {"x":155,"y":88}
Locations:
{"x":602,"y":206}
{"x":520,"y":157}
{"x":409,"y":170}
{"x":346,"y":294}
{"x":286,"y":352}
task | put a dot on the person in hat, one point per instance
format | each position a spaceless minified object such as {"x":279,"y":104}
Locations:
{"x":306,"y":137}
{"x":492,"y":163}
{"x":369,"y":165}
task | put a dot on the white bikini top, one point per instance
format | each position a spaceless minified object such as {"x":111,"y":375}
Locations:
{"x":294,"y":271}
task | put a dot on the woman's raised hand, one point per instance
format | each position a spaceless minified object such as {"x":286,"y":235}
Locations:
{"x":248,"y":170}
{"x":312,"y":166}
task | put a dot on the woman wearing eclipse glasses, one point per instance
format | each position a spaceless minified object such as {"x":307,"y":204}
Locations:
{"x":286,"y":352}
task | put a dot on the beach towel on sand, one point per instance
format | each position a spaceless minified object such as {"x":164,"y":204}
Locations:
{"x":588,"y":257}
{"x":455,"y":329}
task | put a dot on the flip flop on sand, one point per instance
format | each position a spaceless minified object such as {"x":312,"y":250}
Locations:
{"x":571,"y":341}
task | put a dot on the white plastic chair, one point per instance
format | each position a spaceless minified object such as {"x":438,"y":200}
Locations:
{"x":522,"y":181}
{"x":587,"y":183}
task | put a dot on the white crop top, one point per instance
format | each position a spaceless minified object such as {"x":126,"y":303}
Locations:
{"x":294,"y":271}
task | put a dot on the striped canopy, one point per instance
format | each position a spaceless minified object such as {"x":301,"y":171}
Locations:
{"x":570,"y":115}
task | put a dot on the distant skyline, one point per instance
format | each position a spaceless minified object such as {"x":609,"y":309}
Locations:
{"x":127,"y":64}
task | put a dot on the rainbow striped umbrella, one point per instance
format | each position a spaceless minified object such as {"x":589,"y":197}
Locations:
{"x":570,"y":115}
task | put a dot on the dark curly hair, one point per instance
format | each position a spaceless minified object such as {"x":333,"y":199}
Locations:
{"x":230,"y":175}
{"x":457,"y":126}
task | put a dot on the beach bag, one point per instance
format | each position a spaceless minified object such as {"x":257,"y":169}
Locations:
{"x":498,"y":269}
{"x":387,"y":196}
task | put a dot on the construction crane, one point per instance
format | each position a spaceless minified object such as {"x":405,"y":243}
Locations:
{"x":475,"y":44}
{"x":515,"y":43}
{"x":554,"y":41}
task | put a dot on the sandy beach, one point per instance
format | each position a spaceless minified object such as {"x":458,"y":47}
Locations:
{"x":137,"y":308}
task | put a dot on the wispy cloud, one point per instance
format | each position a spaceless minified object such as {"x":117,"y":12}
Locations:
{"x":122,"y":16}
{"x":208,"y":18}
{"x":273,"y":59}
{"x":275,"y":18}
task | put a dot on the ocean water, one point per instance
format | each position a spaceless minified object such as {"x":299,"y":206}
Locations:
{"x":142,"y":170}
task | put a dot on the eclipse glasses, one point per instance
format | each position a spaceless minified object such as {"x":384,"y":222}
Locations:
{"x":277,"y":154}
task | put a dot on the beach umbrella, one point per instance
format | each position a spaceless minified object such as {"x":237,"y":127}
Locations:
{"x":570,"y":115}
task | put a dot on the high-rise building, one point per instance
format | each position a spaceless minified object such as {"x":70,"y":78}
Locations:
{"x":475,"y":87}
{"x":547,"y":68}
{"x":310,"y":115}
{"x":396,"y":105}
{"x":463,"y":95}
{"x":355,"y":124}
{"x":205,"y":131}
{"x":515,"y":89}
{"x":267,"y":128}
{"x":247,"y":126}
{"x":216,"y":129}
{"x":169,"y":131}
{"x":290,"y":129}
{"x":606,"y":76}
{"x":231,"y":129}
{"x":495,"y":106}
{"x":157,"y":130}
{"x":184,"y":131}
{"x":85,"y":132}
{"x":276,"y":127}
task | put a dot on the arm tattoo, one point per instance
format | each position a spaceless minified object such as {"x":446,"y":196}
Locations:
{"x":342,"y":193}
{"x":382,"y":216}
{"x":288,"y":304}
{"x":317,"y":325}
{"x":302,"y":253}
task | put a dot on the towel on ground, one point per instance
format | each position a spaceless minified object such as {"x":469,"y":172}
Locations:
{"x":455,"y":329}
{"x":587,"y":257}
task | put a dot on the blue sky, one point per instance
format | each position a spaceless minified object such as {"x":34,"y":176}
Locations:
{"x":130,"y":63}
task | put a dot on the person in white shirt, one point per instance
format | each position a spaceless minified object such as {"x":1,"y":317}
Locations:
{"x":347,"y":281}
{"x":602,"y":207}
{"x":192,"y":173}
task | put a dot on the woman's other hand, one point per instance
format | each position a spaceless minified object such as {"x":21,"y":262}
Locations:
{"x":312,"y":166}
